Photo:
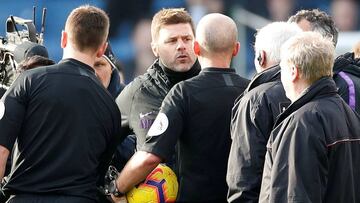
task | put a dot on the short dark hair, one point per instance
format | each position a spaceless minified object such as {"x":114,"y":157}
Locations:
{"x":320,"y":22}
{"x":33,"y":62}
{"x":88,"y":27}
{"x":170,"y":16}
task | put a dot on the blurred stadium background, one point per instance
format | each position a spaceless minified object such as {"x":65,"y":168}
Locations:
{"x":130,"y":23}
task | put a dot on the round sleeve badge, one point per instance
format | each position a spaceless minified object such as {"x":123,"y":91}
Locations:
{"x":2,"y":109}
{"x":159,"y":126}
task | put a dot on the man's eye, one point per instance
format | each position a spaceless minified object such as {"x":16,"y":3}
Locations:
{"x":98,"y":65}
{"x":171,"y":41}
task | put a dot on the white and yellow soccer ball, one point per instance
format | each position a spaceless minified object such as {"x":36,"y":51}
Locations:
{"x":160,"y":186}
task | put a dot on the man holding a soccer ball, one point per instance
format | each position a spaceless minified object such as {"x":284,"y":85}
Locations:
{"x":195,"y":115}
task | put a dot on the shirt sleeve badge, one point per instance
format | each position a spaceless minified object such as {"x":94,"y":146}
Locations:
{"x":159,"y":126}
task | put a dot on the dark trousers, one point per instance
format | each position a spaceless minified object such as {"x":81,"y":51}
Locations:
{"x":48,"y":199}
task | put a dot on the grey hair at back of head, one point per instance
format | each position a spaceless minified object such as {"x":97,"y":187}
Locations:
{"x":312,"y":53}
{"x":271,"y":37}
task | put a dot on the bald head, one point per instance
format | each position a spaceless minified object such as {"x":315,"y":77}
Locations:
{"x":216,"y":33}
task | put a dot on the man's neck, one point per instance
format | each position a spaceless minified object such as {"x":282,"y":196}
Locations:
{"x":217,"y":63}
{"x":80,"y":56}
{"x":299,"y":89}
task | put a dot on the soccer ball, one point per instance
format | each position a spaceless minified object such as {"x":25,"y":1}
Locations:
{"x":160,"y":185}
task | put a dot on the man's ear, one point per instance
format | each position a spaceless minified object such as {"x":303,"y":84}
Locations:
{"x":236,"y":49}
{"x":262,"y":58}
{"x":101,"y":50}
{"x":154,"y":49}
{"x":64,"y":39}
{"x":295,"y":73}
{"x":196,"y":47}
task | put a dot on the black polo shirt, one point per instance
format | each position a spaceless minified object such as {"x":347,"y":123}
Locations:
{"x":196,"y":114}
{"x":61,"y":122}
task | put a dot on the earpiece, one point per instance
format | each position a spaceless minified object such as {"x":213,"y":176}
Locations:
{"x":259,"y":58}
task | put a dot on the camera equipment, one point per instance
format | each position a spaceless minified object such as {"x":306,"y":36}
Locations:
{"x":19,"y":44}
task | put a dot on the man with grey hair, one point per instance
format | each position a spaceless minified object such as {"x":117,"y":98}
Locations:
{"x":346,"y":67}
{"x":255,"y":113}
{"x":313,"y":150}
{"x":196,"y":115}
{"x":268,"y":41}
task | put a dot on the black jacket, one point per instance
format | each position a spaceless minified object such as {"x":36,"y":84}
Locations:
{"x":347,"y":79}
{"x":63,"y":127}
{"x":313,"y":152}
{"x":195,"y":115}
{"x":2,"y":91}
{"x":253,"y":118}
{"x":140,"y":100}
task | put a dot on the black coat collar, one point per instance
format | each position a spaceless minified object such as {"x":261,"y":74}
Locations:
{"x":323,"y":87}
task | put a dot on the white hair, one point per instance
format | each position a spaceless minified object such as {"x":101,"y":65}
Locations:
{"x":272,"y":36}
{"x":311,"y":53}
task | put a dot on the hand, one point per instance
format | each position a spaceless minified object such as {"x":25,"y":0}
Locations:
{"x":121,"y":199}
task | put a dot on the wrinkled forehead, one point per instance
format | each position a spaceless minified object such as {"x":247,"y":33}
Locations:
{"x":175,"y":30}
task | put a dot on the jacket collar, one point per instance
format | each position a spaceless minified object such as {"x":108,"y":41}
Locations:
{"x":78,"y":64}
{"x":323,"y":87}
{"x":269,"y":75}
{"x":347,"y":63}
{"x":171,"y":77}
{"x":216,"y":70}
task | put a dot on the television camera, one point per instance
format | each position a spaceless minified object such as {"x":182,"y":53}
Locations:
{"x":17,"y":45}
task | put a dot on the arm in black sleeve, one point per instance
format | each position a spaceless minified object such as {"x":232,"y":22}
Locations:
{"x":12,"y":111}
{"x":116,"y":138}
{"x":13,"y":107}
{"x":168,"y":125}
{"x":250,"y":132}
